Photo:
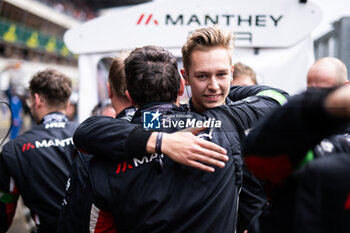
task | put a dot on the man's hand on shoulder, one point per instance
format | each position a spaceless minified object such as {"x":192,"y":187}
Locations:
{"x":185,"y":148}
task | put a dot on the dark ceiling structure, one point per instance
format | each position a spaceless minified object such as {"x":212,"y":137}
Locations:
{"x":102,"y":4}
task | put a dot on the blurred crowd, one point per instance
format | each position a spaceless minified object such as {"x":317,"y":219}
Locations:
{"x":76,"y":9}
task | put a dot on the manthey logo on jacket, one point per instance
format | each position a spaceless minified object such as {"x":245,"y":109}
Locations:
{"x":47,"y":143}
{"x":136,"y":162}
{"x":146,"y":159}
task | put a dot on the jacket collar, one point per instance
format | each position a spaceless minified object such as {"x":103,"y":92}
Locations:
{"x":192,"y":108}
{"x":127,"y":113}
{"x":54,"y":117}
{"x":161,"y":107}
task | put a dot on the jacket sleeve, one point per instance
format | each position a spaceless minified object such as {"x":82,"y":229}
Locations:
{"x":8,"y":196}
{"x":258,"y":101}
{"x":252,"y":199}
{"x":241,"y":92}
{"x":339,"y":143}
{"x":76,"y":205}
{"x":107,"y":137}
{"x":311,"y":192}
{"x":279,"y":143}
{"x":251,"y":104}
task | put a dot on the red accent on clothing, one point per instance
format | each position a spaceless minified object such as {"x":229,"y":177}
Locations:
{"x":11,"y":208}
{"x":105,"y":223}
{"x":347,"y":203}
{"x":275,"y":169}
{"x":83,"y":151}
{"x":10,"y":212}
{"x":124,"y":167}
{"x":118,"y":169}
{"x":15,"y":190}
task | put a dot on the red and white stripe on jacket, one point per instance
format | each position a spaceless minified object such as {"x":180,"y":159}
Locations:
{"x":101,"y":221}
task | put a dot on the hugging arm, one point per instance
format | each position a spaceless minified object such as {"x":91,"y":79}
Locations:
{"x":278,"y":144}
{"x":121,"y":140}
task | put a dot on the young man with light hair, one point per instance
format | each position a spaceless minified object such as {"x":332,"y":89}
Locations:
{"x":207,"y":59}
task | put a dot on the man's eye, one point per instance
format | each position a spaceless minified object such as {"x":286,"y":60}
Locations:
{"x":222,"y":74}
{"x":203,"y":76}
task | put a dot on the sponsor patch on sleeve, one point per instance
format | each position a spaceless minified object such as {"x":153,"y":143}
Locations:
{"x":274,"y":95}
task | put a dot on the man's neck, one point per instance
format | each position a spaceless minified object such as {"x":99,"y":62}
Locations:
{"x":177,"y":102}
{"x":47,"y":111}
{"x":119,"y":105}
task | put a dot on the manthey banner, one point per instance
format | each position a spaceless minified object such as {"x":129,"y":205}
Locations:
{"x":167,"y":23}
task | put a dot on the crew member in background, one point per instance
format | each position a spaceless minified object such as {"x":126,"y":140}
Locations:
{"x":310,"y":195}
{"x":36,"y":164}
{"x":104,"y":108}
{"x":327,"y":72}
{"x":76,"y":211}
{"x":72,"y":107}
{"x":295,"y":200}
{"x":17,"y":111}
{"x":243,"y":75}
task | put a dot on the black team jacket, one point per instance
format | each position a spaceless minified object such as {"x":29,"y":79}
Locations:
{"x":312,"y":189}
{"x":36,"y":166}
{"x":145,"y":196}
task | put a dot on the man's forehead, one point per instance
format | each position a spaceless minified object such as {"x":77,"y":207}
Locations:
{"x":198,"y":70}
{"x":217,"y":60}
{"x":321,"y":81}
{"x":210,"y":50}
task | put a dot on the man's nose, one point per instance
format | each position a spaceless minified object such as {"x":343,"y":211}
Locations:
{"x":213,"y":83}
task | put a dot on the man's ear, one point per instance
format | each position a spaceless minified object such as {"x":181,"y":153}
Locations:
{"x":38,"y":100}
{"x":182,"y":87}
{"x":185,"y":76}
{"x":110,"y":92}
{"x":68,"y":103}
{"x":129,"y":98}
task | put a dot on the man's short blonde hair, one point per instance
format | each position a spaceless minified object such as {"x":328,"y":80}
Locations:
{"x":205,"y":39}
{"x":241,"y":69}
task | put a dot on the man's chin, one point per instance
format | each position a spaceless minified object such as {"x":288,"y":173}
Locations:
{"x":212,"y":105}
